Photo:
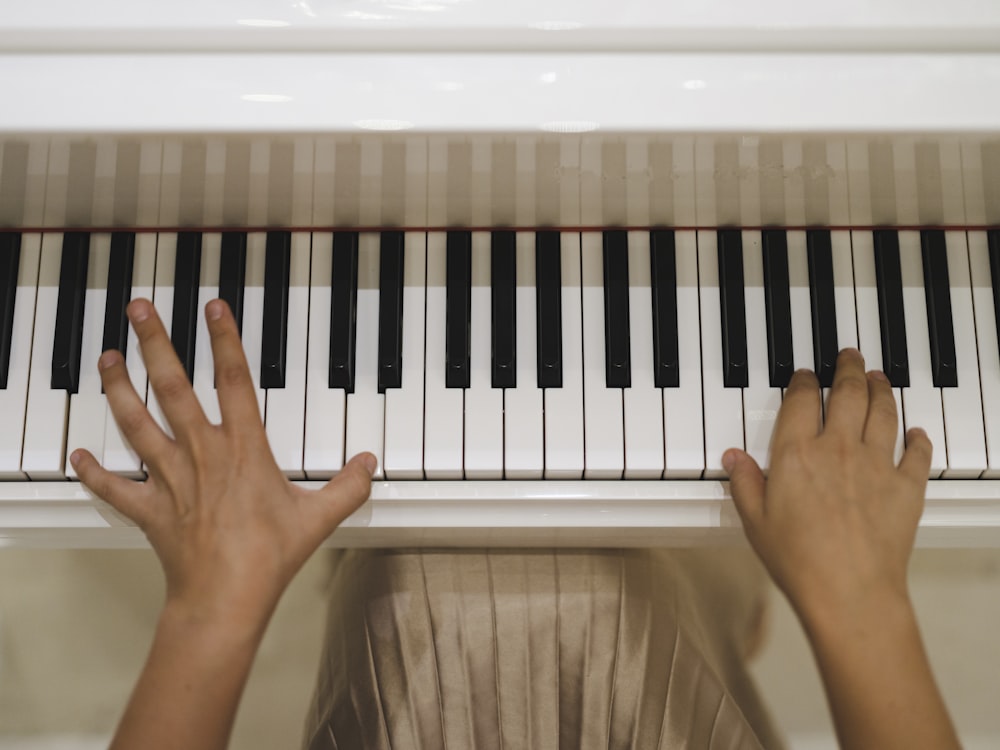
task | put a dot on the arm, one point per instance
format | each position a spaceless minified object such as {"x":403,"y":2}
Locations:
{"x":834,"y":524}
{"x":230,"y":531}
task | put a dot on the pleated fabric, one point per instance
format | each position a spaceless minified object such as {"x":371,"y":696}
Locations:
{"x":540,"y":650}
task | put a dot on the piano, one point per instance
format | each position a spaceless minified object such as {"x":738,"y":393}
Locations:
{"x":547,"y":261}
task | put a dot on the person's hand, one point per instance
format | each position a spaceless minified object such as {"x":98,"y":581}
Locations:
{"x":230,"y":530}
{"x":836,"y":519}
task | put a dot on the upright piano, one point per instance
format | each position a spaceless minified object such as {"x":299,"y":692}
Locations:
{"x":546,"y":260}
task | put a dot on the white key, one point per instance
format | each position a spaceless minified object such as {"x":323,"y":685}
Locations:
{"x":14,"y":398}
{"x":524,"y":448}
{"x":921,"y":401}
{"x":843,"y":290}
{"x":643,"y":402}
{"x":325,"y":407}
{"x":88,"y":406}
{"x":798,"y":296}
{"x":163,"y":302}
{"x":604,"y":437}
{"x":986,"y":338}
{"x":366,"y":406}
{"x":286,"y":407}
{"x":869,"y":324}
{"x":443,"y":407}
{"x":404,"y":406}
{"x":564,"y":458}
{"x":483,"y":402}
{"x":723,"y":406}
{"x":760,"y":401}
{"x":684,"y":434}
{"x":203,"y":380}
{"x":45,"y":418}
{"x":963,"y":406}
{"x":119,"y":456}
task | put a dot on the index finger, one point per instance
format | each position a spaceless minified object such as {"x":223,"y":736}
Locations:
{"x":235,"y":389}
{"x":848,"y":407}
{"x":800,"y":414}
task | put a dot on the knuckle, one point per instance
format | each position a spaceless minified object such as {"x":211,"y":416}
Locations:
{"x":232,"y":374}
{"x":851,"y":386}
{"x":132,"y":421}
{"x":172,"y":386}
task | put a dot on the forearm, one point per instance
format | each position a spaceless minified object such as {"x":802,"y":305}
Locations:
{"x":878,"y":680}
{"x":191,"y":684}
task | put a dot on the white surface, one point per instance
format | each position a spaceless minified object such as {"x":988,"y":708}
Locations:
{"x":163,"y":302}
{"x":986,"y":338}
{"x":203,"y":374}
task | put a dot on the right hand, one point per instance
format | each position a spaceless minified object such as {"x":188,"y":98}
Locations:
{"x":836,"y":519}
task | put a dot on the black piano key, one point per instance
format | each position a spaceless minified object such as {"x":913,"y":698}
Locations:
{"x":937,"y":292}
{"x":993,"y":240}
{"x":889,"y":282}
{"x":10,"y":261}
{"x":390,"y":311}
{"x":274,"y":337}
{"x":187,"y":278}
{"x":735,"y":373}
{"x":232,"y":273}
{"x":119,"y":288}
{"x":823,"y":304}
{"x":68,"y":340}
{"x":617,"y":349}
{"x":548,"y":307}
{"x":663,"y":280}
{"x":503,"y":290}
{"x":458,"y":309}
{"x":777,"y":307}
{"x":343,"y":310}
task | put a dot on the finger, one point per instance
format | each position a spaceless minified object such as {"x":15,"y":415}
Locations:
{"x":799,"y":415}
{"x":746,"y":481}
{"x":134,"y":420}
{"x":347,"y":491}
{"x":236,"y":392}
{"x":882,"y":423}
{"x":916,"y":461}
{"x":122,"y":494}
{"x":848,"y":407}
{"x":166,"y":374}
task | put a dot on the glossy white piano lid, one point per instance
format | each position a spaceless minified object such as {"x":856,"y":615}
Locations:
{"x":512,"y":24}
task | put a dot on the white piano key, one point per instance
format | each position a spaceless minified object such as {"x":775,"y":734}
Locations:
{"x":253,"y":308}
{"x":643,"y":402}
{"x":203,"y":380}
{"x":14,"y":398}
{"x":88,"y":406}
{"x":404,"y":406}
{"x":843,"y":289}
{"x":604,"y":437}
{"x":869,"y":324}
{"x":45,"y":417}
{"x":323,"y":454}
{"x":119,"y":456}
{"x":921,"y":401}
{"x":443,"y":407}
{"x":563,"y":407}
{"x":684,"y":435}
{"x":723,"y":406}
{"x":285,"y":410}
{"x":366,"y":406}
{"x":964,"y":426}
{"x":986,"y":339}
{"x":483,"y":402}
{"x":760,"y":401}
{"x":798,"y":295}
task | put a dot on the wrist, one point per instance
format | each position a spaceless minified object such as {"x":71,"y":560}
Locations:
{"x":865,"y":613}
{"x":215,"y":621}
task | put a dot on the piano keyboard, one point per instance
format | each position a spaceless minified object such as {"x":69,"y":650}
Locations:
{"x":486,"y":356}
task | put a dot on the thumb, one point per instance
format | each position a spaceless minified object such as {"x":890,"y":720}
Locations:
{"x":347,"y":491}
{"x":746,"y":481}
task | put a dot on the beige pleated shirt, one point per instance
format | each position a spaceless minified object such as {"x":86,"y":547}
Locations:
{"x":533,"y":650}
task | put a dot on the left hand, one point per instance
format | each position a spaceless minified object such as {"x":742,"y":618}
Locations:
{"x":230,"y":530}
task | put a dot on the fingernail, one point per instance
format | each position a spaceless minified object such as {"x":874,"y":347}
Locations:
{"x":370,"y":462}
{"x":878,"y":375}
{"x":74,"y":458}
{"x":138,"y":311}
{"x":852,"y":352}
{"x":729,"y":460}
{"x":107,"y":359}
{"x":214,"y":310}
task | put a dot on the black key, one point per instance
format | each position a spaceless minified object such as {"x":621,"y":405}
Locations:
{"x":10,"y":261}
{"x":733,"y":308}
{"x":274,"y":338}
{"x":993,"y":238}
{"x":777,"y":307}
{"x":187,"y":278}
{"x":390,"y":311}
{"x":119,"y":291}
{"x":343,"y":310}
{"x":458,"y":309}
{"x":68,"y":340}
{"x":823,"y":304}
{"x":503,"y":288}
{"x":232,"y":273}
{"x":889,"y":281}
{"x":548,"y":307}
{"x":663,"y":280}
{"x":617,"y":349}
{"x":937,"y":291}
